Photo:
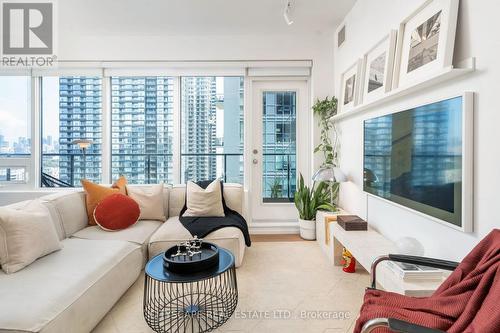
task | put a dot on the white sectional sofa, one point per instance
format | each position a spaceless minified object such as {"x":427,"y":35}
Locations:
{"x":72,"y":289}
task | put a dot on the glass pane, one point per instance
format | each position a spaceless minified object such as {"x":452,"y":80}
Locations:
{"x":71,"y":111}
{"x":212,"y":128}
{"x":142,"y":129}
{"x":279,"y":147}
{"x":13,"y":174}
{"x":15,"y":106}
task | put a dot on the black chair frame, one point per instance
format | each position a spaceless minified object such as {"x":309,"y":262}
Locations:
{"x":396,"y":325}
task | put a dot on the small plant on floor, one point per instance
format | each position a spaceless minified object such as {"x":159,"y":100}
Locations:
{"x":308,"y":201}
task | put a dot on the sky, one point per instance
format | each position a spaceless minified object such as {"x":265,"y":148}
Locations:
{"x":15,"y":105}
{"x":50,"y":107}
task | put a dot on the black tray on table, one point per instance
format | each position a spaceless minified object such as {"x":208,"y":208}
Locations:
{"x":208,"y":258}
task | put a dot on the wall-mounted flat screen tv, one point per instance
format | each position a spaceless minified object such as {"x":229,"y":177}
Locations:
{"x":421,"y":159}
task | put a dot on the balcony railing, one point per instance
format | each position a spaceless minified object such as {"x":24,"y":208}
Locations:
{"x":279,"y":174}
{"x":233,"y":175}
{"x":66,"y":169}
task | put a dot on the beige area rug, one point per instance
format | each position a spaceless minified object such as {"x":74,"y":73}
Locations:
{"x":283,"y":287}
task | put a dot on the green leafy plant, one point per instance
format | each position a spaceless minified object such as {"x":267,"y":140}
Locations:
{"x":308,"y":201}
{"x":325,"y":109}
{"x":276,"y":189}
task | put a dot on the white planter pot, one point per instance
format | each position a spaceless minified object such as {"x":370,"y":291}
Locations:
{"x":307,"y":229}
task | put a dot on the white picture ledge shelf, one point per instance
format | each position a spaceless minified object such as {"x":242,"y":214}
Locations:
{"x":449,"y":73}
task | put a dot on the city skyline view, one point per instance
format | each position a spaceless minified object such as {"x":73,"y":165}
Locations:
{"x":142,"y":130}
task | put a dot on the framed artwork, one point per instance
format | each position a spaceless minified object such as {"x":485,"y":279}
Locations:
{"x":349,"y":87}
{"x":378,"y":66}
{"x":426,"y":40}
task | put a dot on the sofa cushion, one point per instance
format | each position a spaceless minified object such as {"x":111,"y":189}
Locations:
{"x":233,"y":195}
{"x":151,"y":201}
{"x":37,"y":205}
{"x":204,"y":201}
{"x":138,"y":234}
{"x":172,"y":232}
{"x":166,"y":194}
{"x":95,"y":193}
{"x":69,"y":290}
{"x":116,"y":212}
{"x":24,"y":237}
{"x":69,"y":207}
{"x":177,"y":199}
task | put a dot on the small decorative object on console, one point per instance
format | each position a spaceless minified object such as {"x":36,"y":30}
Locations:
{"x":191,"y":256}
{"x":348,"y":261}
{"x":410,"y":246}
{"x":352,"y":222}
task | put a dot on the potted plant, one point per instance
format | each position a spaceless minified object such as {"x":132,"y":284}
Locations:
{"x":308,"y":201}
{"x":325,"y":109}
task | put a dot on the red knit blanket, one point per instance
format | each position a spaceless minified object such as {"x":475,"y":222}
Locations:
{"x":468,"y":301}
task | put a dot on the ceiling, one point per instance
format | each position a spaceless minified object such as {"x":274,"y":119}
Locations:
{"x":199,"y":17}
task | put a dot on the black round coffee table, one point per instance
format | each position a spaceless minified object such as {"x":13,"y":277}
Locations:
{"x":198,"y":302}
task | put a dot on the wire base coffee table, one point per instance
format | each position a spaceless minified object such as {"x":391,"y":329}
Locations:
{"x":198,"y":302}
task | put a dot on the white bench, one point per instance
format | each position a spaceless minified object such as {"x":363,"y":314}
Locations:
{"x":365,"y":246}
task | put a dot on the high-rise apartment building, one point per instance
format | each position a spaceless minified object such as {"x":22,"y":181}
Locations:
{"x":199,"y":128}
{"x":142,"y":128}
{"x":79,"y":118}
{"x":212,"y":128}
{"x":233,"y":139}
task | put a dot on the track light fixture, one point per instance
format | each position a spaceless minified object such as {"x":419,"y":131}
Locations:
{"x":287,"y":12}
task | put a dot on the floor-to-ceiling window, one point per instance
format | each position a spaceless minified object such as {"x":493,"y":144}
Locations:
{"x":15,"y":129}
{"x":212,"y":128}
{"x":71,"y":115}
{"x":142,"y":128}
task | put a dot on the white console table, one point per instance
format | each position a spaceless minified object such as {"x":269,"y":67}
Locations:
{"x":323,"y":221}
{"x":365,"y":246}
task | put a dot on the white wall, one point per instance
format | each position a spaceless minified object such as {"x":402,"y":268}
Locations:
{"x":366,"y":24}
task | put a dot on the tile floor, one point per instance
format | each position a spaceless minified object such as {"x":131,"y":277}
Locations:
{"x":293,"y":279}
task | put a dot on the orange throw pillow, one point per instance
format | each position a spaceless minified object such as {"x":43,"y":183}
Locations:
{"x":121,"y":184}
{"x":96,"y":193}
{"x":116,"y":212}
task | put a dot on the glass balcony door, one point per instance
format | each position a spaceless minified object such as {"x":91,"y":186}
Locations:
{"x":279,"y":147}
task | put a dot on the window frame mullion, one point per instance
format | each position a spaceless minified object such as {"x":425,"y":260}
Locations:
{"x":106,"y":151}
{"x":36,"y":132}
{"x":176,"y":149}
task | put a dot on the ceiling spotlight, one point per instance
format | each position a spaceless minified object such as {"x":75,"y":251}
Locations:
{"x":287,"y":11}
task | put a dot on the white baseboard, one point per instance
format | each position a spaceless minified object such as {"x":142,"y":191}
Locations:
{"x":272,"y":227}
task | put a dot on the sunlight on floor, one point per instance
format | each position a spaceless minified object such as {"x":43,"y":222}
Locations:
{"x":283,"y":287}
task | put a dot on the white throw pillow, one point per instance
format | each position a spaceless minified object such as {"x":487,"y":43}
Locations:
{"x":204,"y":202}
{"x":24,"y":237}
{"x":150,"y":202}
